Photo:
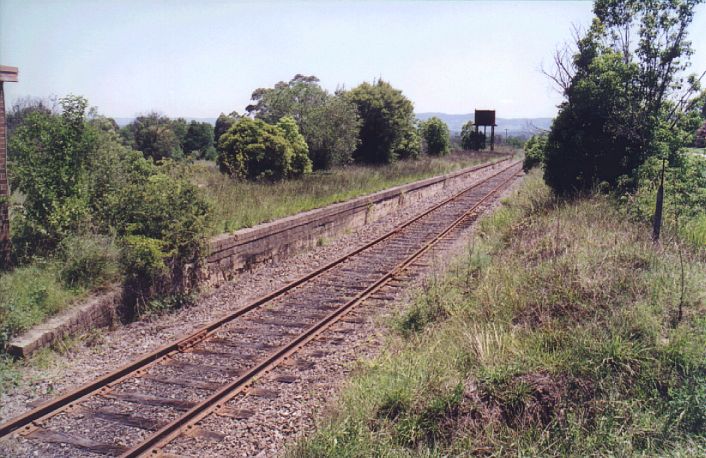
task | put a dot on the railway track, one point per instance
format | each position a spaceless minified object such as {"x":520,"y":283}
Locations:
{"x":139,"y":409}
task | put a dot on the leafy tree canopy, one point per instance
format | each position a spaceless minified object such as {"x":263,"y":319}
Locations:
{"x":199,"y":139}
{"x":157,"y":136}
{"x":223,"y":123}
{"x":470,"y":139}
{"x":616,"y":87}
{"x":387,"y":119}
{"x":256,"y":150}
{"x":328,"y":122}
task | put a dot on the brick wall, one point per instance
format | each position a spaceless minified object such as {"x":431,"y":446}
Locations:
{"x":4,"y":188}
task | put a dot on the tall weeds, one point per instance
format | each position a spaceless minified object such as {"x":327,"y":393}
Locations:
{"x":558,"y":327}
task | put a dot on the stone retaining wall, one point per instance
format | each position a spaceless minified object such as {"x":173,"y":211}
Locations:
{"x":233,"y":253}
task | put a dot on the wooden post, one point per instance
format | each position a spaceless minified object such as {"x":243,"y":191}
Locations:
{"x":492,"y":138}
{"x":7,"y":74}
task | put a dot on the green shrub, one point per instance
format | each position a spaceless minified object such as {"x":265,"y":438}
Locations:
{"x":49,"y":170}
{"x":301,"y":164}
{"x":328,"y":122}
{"x":144,"y":260}
{"x":88,"y":261}
{"x":255,"y":150}
{"x":470,"y":139}
{"x":436,"y":136}
{"x":534,"y":152}
{"x":409,"y":146}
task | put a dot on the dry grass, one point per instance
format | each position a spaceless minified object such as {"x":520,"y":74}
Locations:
{"x":245,"y":204}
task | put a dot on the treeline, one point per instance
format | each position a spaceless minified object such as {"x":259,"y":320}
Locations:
{"x":296,"y":127}
{"x":288,"y":130}
{"x":95,"y":203}
{"x":629,"y":113}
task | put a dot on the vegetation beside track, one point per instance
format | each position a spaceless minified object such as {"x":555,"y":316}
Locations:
{"x":32,"y":293}
{"x":561,"y":331}
{"x":238,"y":204}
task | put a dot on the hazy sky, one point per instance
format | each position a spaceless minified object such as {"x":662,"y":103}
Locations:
{"x":200,"y":58}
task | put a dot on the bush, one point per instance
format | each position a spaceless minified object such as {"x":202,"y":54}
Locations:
{"x":88,"y":261}
{"x":470,"y":139}
{"x":49,"y":171}
{"x":534,"y":152}
{"x":144,"y":260}
{"x":435,"y":133}
{"x":301,"y":164}
{"x":198,"y":139}
{"x":157,"y":136}
{"x":255,"y":150}
{"x":409,"y":145}
{"x":133,"y":197}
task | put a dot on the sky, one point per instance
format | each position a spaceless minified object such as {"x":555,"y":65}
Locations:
{"x":203,"y":57}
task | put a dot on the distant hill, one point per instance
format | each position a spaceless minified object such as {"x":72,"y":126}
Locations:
{"x":514,"y":126}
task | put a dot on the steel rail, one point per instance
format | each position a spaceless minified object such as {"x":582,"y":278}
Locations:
{"x":159,"y":439}
{"x":102,"y":384}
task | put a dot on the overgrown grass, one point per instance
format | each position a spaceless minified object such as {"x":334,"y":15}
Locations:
{"x":239,"y":204}
{"x":557,"y":333}
{"x":30,"y":294}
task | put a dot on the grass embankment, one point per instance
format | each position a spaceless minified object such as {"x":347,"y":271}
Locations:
{"x":557,"y":333}
{"x":245,"y":204}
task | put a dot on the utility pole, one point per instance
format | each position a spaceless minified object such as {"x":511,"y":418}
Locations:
{"x":7,"y":75}
{"x":657,"y":222}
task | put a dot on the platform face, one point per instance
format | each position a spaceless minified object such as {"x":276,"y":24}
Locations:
{"x":8,"y":74}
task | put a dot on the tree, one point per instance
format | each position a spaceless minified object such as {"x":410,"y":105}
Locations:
{"x":298,"y":98}
{"x":409,"y":146}
{"x":256,"y":150}
{"x":700,"y":137}
{"x":436,"y":135}
{"x":154,"y":135}
{"x":387,"y":117}
{"x":199,"y":139}
{"x":616,"y":87}
{"x":49,"y":170}
{"x":300,"y":163}
{"x":470,"y":139}
{"x":19,"y":112}
{"x":332,"y":132}
{"x":180,"y":128}
{"x":329,"y":123}
{"x":223,"y":123}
